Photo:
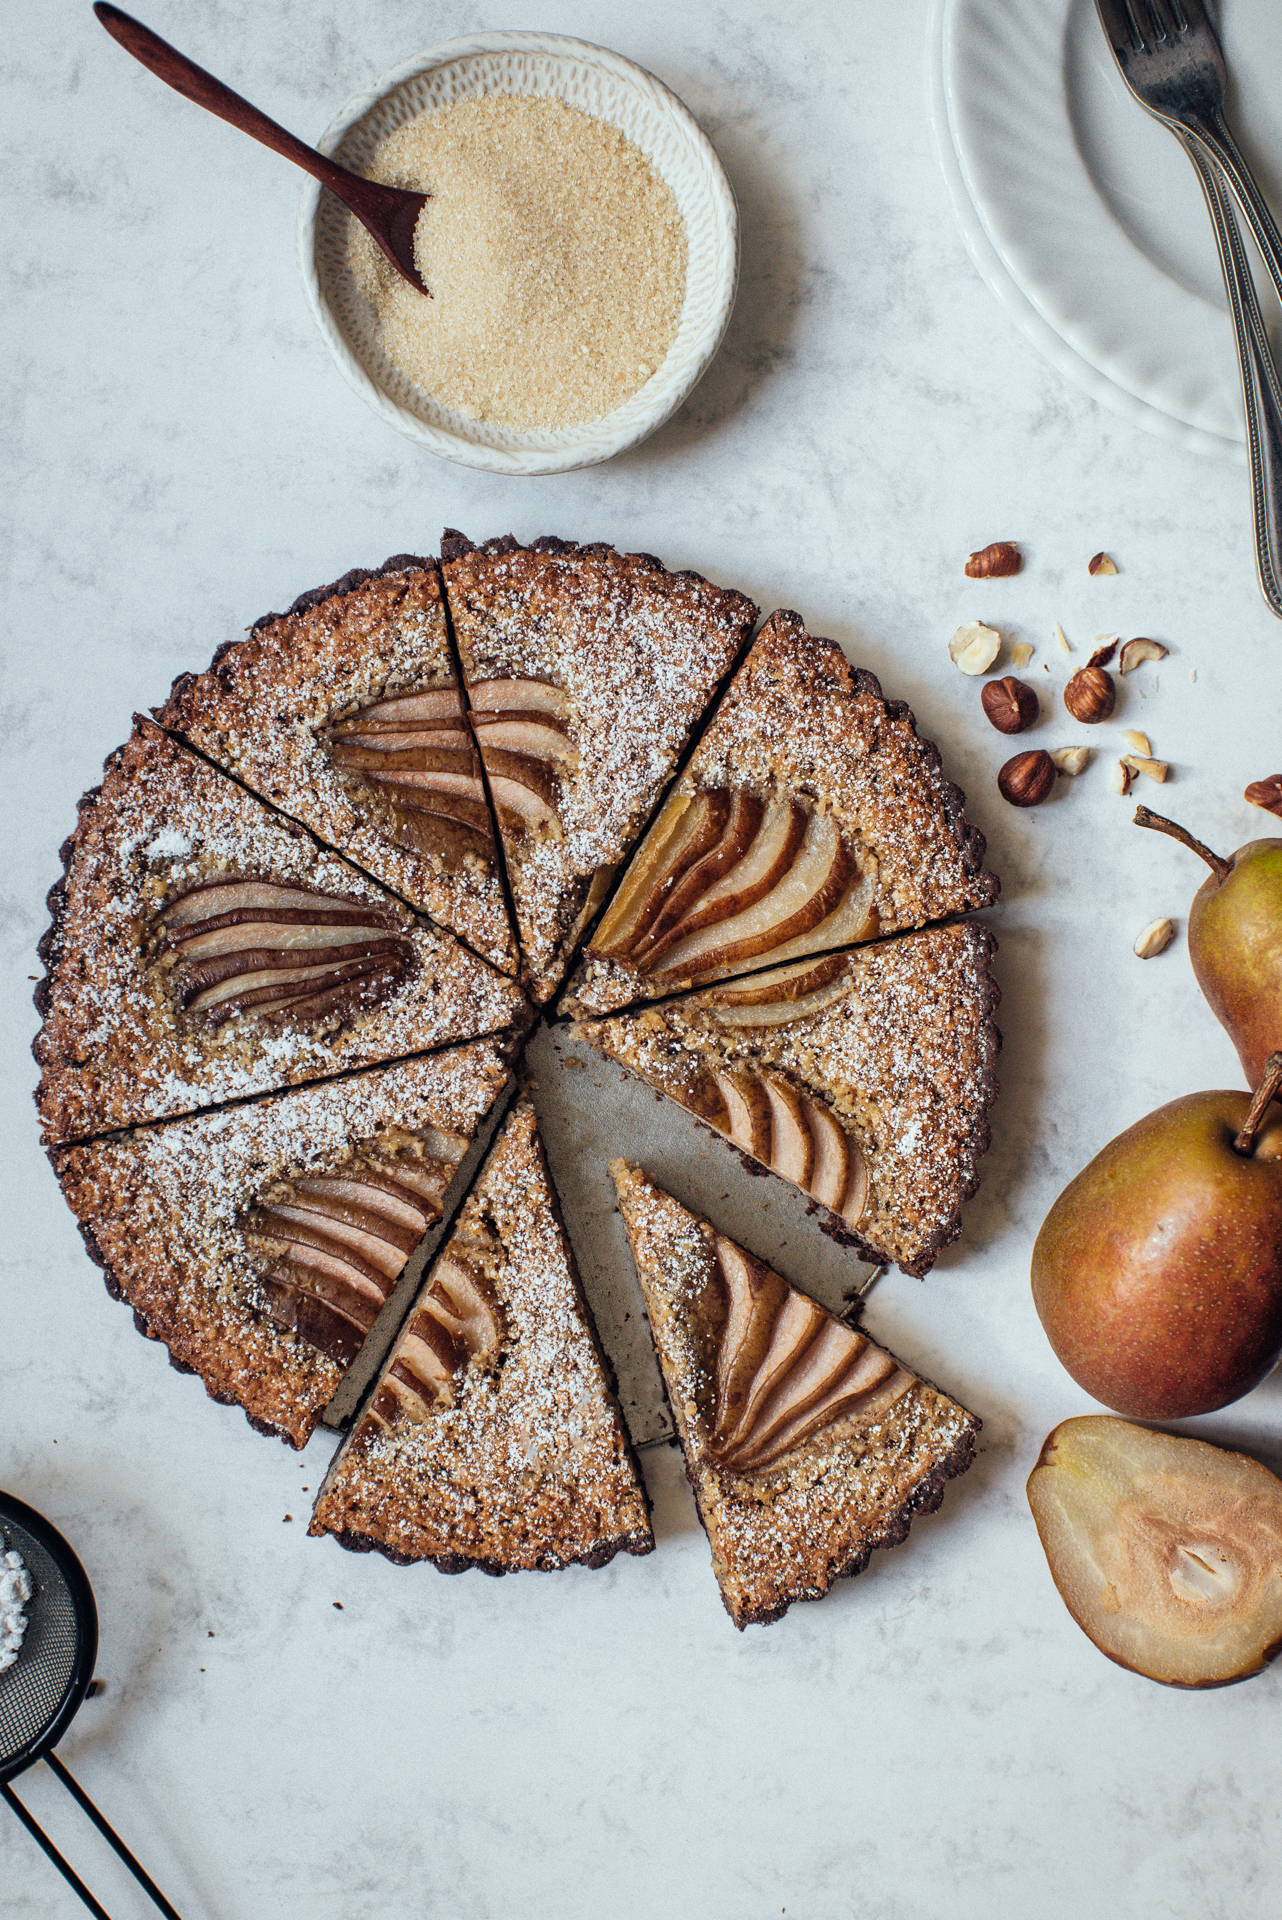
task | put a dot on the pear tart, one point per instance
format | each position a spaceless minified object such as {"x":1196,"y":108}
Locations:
{"x":806,"y":1445}
{"x":585,"y":671}
{"x":346,"y":713}
{"x":260,"y":1243}
{"x":493,"y":1439}
{"x":864,"y":1078}
{"x":203,"y":949}
{"x":811,"y":816}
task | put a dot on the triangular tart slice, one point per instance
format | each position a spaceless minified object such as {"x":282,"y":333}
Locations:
{"x":345,"y":712}
{"x":493,"y":1438}
{"x":864,"y":1078}
{"x":261,"y":1243}
{"x":811,"y":816}
{"x":203,"y":948}
{"x":585,"y":671}
{"x":806,"y":1445}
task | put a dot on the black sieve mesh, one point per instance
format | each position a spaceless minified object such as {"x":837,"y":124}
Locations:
{"x":43,"y":1688}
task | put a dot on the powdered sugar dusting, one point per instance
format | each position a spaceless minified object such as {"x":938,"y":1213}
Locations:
{"x":529,"y":1467}
{"x":788,"y":1533}
{"x":639,"y":652}
{"x":115,"y":1049}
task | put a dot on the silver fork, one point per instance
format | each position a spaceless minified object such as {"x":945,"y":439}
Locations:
{"x":1171,"y":61}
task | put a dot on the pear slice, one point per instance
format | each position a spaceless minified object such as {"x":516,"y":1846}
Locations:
{"x":792,"y":1146}
{"x":441,"y":707}
{"x":796,"y":982}
{"x":830,"y":1177}
{"x":748,"y":1111}
{"x":1166,"y":1551}
{"x":541,"y":737}
{"x":529,"y":696}
{"x":743,"y":826}
{"x":837,"y":1371}
{"x":755,"y":1298}
{"x":806,"y":894}
{"x":743,"y":878}
{"x":688,"y":827}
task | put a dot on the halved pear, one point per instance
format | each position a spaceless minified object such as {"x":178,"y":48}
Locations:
{"x":1167,"y":1551}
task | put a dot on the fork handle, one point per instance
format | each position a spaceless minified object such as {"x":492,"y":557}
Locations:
{"x":1211,"y":131}
{"x":1261,"y":389}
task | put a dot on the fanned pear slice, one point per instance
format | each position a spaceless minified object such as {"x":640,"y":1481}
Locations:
{"x":806,"y":1444}
{"x":819,"y":782}
{"x":864,"y":1078}
{"x":493,"y":1438}
{"x":202,"y":948}
{"x":261,"y":1243}
{"x":346,"y":713}
{"x":585,"y":671}
{"x":1167,"y":1551}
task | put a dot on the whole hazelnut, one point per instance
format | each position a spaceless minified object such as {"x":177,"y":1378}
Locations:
{"x":1010,"y":705}
{"x":1027,"y":779}
{"x":1090,"y":695}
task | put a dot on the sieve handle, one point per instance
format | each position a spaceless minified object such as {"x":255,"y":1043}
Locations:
{"x":42,"y":1839}
{"x":112,"y":1838}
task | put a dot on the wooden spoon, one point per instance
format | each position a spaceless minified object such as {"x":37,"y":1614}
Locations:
{"x":389,"y":214}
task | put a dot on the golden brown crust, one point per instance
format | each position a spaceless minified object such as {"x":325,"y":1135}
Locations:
{"x":262,"y":709}
{"x":798,"y":722}
{"x":159,"y":1211}
{"x":787,"y":1534}
{"x":530,"y":1467}
{"x":638,"y":652}
{"x":115,"y":1049}
{"x":902,"y":1052}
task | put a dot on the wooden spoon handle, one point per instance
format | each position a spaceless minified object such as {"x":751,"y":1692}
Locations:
{"x":177,"y":71}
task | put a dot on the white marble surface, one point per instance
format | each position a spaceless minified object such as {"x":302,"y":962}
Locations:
{"x":937,"y":1736}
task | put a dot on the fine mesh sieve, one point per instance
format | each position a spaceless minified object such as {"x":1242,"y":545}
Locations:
{"x":41,"y":1691}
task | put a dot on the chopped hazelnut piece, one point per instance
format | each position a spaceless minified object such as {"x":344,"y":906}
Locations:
{"x":1141,"y":763}
{"x":1156,"y":938}
{"x":974,"y":647}
{"x":1062,"y":637}
{"x":1136,"y":741}
{"x":1021,"y":653}
{"x":1070,"y":760}
{"x":1136,"y":652}
{"x":1100,"y":563}
{"x":1266,"y":793}
{"x":1119,"y":781}
{"x":995,"y":562}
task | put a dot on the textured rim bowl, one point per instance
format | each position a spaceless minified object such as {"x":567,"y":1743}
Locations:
{"x":610,"y":89}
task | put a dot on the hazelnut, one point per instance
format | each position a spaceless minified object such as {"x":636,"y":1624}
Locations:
{"x":974,"y":647}
{"x":1010,"y":705}
{"x":1100,"y":563}
{"x":1261,"y":793}
{"x":1027,"y":779}
{"x":1090,"y":695}
{"x":1137,"y":651}
{"x":995,"y":562}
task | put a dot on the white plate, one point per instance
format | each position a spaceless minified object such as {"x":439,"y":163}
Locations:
{"x":1083,"y":214}
{"x":604,"y":85}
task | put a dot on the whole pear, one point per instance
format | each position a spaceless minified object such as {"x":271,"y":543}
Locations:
{"x":1235,"y":941}
{"x":1158,"y":1272}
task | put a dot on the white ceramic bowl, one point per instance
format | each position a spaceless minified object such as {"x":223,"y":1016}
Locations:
{"x":601,"y":84}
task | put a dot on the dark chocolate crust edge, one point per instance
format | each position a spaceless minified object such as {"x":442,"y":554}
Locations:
{"x":353,"y":1541}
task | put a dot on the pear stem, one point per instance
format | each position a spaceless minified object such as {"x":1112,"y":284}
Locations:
{"x":1245,"y":1142}
{"x":1220,"y":868}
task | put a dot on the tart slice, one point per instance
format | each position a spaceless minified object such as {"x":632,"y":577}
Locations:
{"x":864,"y":1078}
{"x":810,"y":817}
{"x":203,"y":948}
{"x":806,"y":1445}
{"x":585,"y":671}
{"x":346,"y":713}
{"x":493,"y":1438}
{"x":260,"y":1244}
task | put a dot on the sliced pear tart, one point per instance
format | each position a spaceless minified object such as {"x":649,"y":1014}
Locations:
{"x":261,"y":1243}
{"x":810,"y":817}
{"x":203,"y":948}
{"x":346,"y":713}
{"x":493,"y":1438}
{"x":585,"y":671}
{"x":806,"y":1445}
{"x":864,"y":1078}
